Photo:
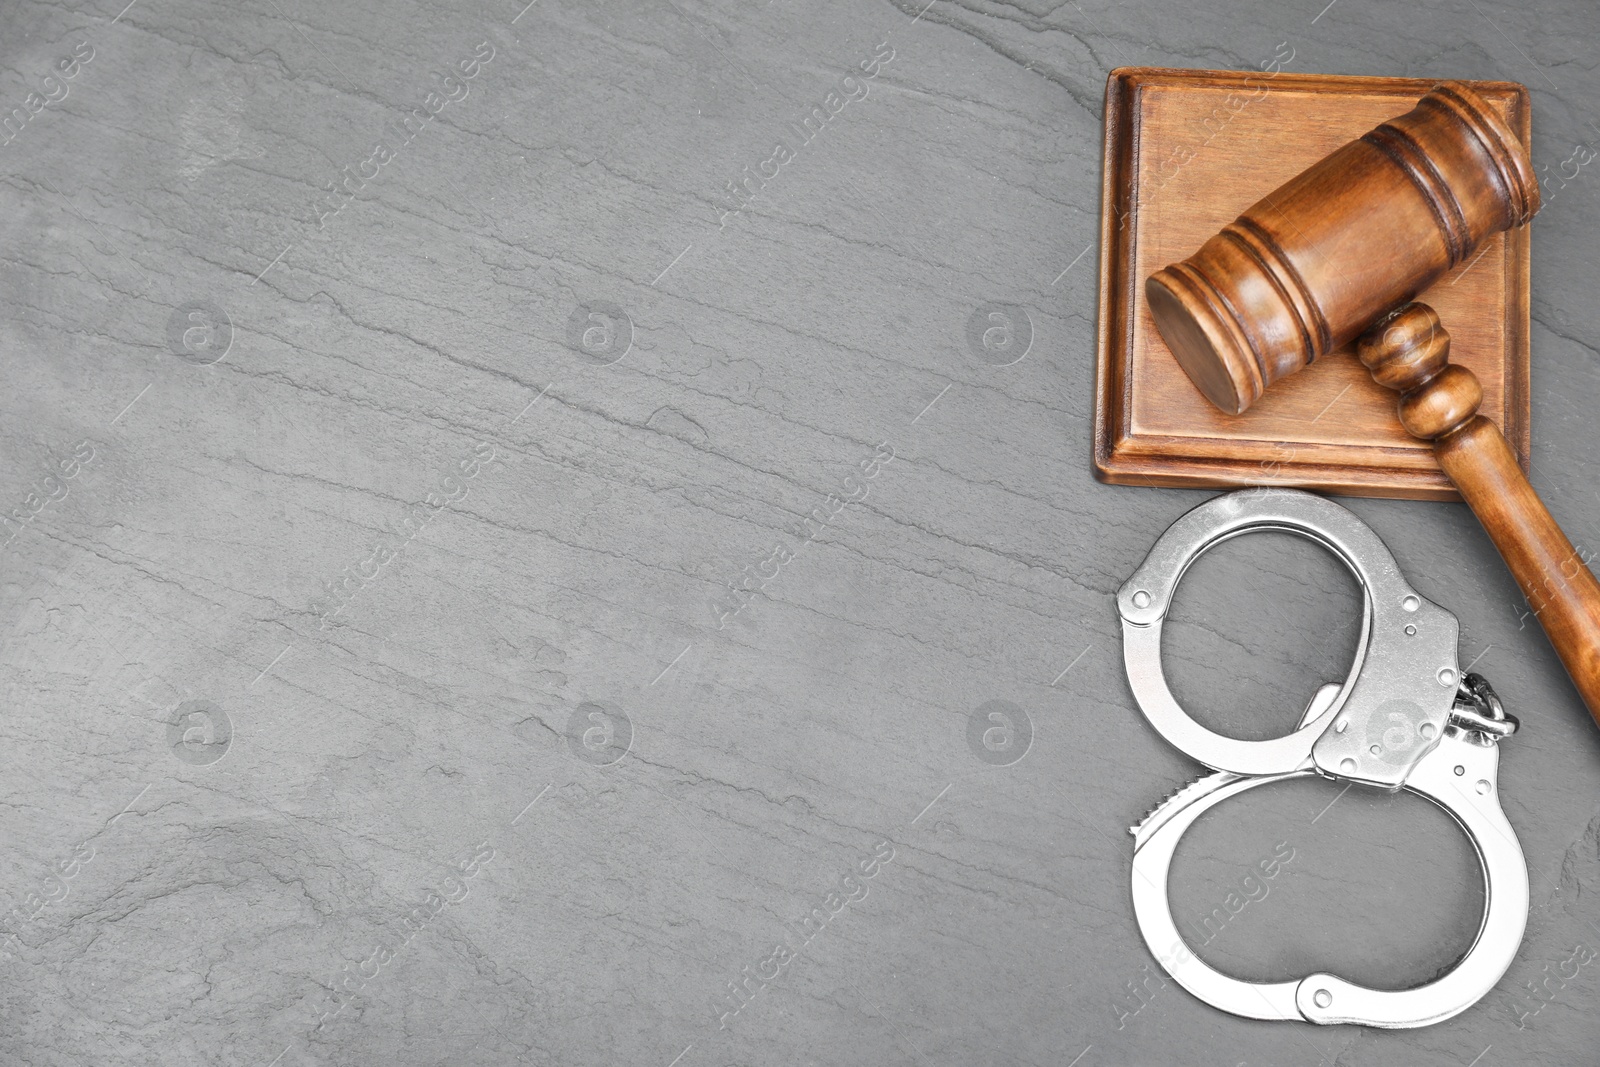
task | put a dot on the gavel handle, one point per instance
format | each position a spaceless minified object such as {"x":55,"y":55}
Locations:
{"x":1562,"y":592}
{"x":1409,"y":352}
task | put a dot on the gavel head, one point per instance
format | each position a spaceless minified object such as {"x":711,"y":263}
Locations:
{"x":1341,"y":244}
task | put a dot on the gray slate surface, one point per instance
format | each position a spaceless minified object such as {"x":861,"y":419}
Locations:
{"x":530,"y":681}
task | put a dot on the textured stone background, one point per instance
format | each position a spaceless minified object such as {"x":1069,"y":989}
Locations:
{"x":470,"y":704}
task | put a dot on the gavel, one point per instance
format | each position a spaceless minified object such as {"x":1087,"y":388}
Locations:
{"x":1338,"y":253}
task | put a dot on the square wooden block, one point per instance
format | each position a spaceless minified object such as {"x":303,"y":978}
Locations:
{"x":1328,"y":427}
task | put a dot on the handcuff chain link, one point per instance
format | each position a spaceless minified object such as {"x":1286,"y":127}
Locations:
{"x":1478,"y":712}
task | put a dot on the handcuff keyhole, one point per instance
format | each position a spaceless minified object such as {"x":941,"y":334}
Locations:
{"x":1323,"y":998}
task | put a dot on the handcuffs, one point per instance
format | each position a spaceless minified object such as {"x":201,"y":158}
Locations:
{"x":1405,"y":717}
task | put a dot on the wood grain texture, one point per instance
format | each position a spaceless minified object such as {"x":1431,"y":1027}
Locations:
{"x":1409,"y":352}
{"x":1185,"y":153}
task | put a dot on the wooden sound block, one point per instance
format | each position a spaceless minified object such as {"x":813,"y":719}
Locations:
{"x":1185,"y":152}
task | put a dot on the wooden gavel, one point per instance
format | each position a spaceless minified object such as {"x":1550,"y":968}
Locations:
{"x":1338,"y":252}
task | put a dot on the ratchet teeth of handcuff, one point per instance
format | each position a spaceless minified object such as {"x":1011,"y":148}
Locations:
{"x":1177,"y":800}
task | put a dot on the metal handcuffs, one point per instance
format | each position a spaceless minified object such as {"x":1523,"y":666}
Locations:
{"x":1404,"y":718}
